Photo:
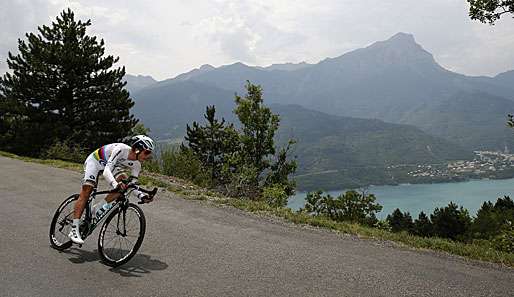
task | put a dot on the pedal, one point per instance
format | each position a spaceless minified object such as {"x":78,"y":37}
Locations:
{"x":80,"y":246}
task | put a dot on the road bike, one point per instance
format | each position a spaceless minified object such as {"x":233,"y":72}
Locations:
{"x":121,"y":234}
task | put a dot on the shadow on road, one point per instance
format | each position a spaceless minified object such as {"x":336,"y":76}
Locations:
{"x":138,"y":266}
{"x":82,"y":256}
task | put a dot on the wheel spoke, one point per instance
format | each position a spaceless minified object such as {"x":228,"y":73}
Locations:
{"x":125,"y":239}
{"x":127,"y":222}
{"x":120,"y":250}
{"x":65,"y":233}
{"x":126,"y":245}
{"x":113,"y":238}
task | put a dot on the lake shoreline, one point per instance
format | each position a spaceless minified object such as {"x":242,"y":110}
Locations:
{"x":413,"y":182}
{"x":416,"y":197}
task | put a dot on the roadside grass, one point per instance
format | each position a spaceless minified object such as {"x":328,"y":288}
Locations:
{"x":478,"y":251}
{"x":50,"y":162}
{"x":475,"y":251}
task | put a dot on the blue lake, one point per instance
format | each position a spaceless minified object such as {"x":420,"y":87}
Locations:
{"x":426,"y":197}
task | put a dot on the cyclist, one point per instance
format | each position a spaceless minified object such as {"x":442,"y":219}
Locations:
{"x":114,"y":160}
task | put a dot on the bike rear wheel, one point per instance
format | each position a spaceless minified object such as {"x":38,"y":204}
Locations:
{"x":61,"y":224}
{"x":121,"y":235}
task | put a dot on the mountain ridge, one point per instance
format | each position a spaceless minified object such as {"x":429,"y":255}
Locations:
{"x":468,"y":113}
{"x":138,"y":82}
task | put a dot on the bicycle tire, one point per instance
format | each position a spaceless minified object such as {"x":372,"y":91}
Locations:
{"x":54,"y":242}
{"x":109,"y":222}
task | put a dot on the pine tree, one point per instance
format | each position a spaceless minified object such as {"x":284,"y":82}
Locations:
{"x":400,"y":221}
{"x":487,"y":222}
{"x":259,"y":125}
{"x":139,"y":129}
{"x":281,"y":169}
{"x":61,"y":87}
{"x":451,"y":221}
{"x":504,"y":204}
{"x":395,"y":219}
{"x":212,"y":143}
{"x":491,"y":219}
{"x":423,"y":226}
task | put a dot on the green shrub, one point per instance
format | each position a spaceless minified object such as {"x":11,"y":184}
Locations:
{"x":152,"y":166}
{"x":275,"y":195}
{"x":242,"y":181}
{"x":318,"y":204}
{"x":65,"y":151}
{"x":281,"y":169}
{"x":383,"y":225}
{"x":505,"y":241}
{"x":357,"y":207}
{"x":182,"y":163}
{"x":351,"y":206}
{"x":242,"y":162}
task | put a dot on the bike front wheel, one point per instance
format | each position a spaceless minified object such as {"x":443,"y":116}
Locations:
{"x":121,"y":235}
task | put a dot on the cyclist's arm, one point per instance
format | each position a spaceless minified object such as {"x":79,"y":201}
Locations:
{"x":135,"y":173}
{"x":109,"y":167}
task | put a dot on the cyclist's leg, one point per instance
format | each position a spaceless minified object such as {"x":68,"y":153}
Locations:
{"x":80,"y":204}
{"x":91,"y":170}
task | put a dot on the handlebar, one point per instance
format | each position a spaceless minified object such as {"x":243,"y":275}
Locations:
{"x":150,"y":193}
{"x":131,"y":185}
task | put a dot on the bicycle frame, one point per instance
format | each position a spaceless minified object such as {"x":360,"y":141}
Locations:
{"x":90,"y":223}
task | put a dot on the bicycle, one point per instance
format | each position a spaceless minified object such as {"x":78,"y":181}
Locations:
{"x":114,"y":241}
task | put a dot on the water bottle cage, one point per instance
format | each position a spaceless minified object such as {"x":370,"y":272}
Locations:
{"x":100,"y":213}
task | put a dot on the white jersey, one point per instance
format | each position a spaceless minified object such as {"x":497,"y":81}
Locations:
{"x":113,"y":160}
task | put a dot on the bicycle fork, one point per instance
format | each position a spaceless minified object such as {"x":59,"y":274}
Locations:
{"x":123,"y":230}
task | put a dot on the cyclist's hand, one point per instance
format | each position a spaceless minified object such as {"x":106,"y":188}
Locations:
{"x":121,"y":186}
{"x":147,"y":199}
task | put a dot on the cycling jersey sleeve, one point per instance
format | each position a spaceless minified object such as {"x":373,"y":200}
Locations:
{"x":135,"y":173}
{"x":109,"y":167}
{"x":136,"y":169}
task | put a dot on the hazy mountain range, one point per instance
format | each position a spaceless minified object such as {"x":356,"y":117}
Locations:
{"x":439,"y":114}
{"x":136,"y":83}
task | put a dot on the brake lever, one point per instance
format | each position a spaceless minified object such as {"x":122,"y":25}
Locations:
{"x":151,"y":194}
{"x":142,"y":202}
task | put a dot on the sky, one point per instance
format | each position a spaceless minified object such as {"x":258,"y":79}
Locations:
{"x":164,"y":38}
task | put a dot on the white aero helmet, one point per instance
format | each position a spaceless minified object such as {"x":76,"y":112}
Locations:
{"x":142,"y":142}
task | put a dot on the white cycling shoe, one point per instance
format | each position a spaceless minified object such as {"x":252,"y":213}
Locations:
{"x":75,"y":235}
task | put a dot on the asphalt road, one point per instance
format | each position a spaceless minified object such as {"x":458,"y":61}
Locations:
{"x":192,"y":248}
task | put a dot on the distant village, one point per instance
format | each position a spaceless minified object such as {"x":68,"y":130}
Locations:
{"x":486,"y":164}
